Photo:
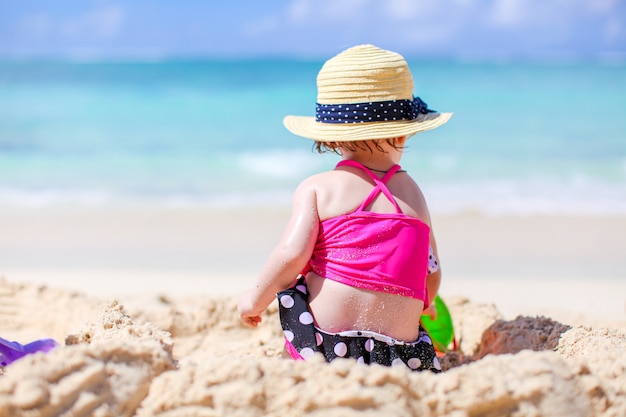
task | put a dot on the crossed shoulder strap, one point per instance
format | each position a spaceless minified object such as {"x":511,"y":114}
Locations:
{"x":380,"y":183}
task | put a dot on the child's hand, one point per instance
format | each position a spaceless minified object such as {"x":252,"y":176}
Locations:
{"x":251,"y":321}
{"x":246,"y":310}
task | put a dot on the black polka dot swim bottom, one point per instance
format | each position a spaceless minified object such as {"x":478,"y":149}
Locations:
{"x":303,"y":339}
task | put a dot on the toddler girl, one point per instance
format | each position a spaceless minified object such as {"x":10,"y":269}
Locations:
{"x":357,"y":266}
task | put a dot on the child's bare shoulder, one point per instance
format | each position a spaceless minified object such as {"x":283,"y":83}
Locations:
{"x":314,"y":182}
{"x":324,"y":184}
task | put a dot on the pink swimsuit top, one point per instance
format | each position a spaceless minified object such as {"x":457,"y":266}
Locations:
{"x":386,"y":252}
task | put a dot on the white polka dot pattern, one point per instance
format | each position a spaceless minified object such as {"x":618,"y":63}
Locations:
{"x":306,"y":318}
{"x":307,"y":353}
{"x":396,"y":362}
{"x":341,"y":349}
{"x":304,"y":340}
{"x":373,"y":111}
{"x":436,"y":364}
{"x":288,"y":335}
{"x":433,"y":264}
{"x":287,"y":301}
{"x":414,"y":363}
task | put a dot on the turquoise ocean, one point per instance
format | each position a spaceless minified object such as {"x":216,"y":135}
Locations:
{"x":526,"y":138}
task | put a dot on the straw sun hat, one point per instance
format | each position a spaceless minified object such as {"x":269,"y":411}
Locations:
{"x":365,"y":93}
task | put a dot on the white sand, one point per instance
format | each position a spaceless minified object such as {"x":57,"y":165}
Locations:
{"x":190,"y":356}
{"x":523,"y":264}
{"x":176,"y":348}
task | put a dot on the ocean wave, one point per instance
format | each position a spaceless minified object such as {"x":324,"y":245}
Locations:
{"x":578,"y":196}
{"x":277,"y":164}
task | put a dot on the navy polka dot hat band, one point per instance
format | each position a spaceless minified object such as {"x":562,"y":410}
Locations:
{"x":365,"y":93}
{"x":373,"y":111}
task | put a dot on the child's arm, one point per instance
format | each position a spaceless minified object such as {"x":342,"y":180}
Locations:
{"x":433,"y":281}
{"x":287,"y":259}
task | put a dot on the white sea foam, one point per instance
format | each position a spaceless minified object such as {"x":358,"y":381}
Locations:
{"x":578,"y":196}
{"x":172,"y":134}
{"x":528,"y":196}
{"x":280,"y":164}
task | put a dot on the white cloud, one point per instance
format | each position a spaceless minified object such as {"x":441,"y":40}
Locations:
{"x":601,"y":6}
{"x":404,"y":10}
{"x":261,"y":26}
{"x":321,"y":12}
{"x":345,"y":9}
{"x":103,"y":21}
{"x":613,"y":30}
{"x":298,"y":10}
{"x":524,"y":13}
{"x":360,"y":11}
{"x":428,"y":24}
{"x":447,"y":26}
{"x":415,"y":23}
{"x":508,"y":13}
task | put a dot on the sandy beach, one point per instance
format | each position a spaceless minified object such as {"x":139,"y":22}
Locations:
{"x":149,"y":154}
{"x":142,"y":303}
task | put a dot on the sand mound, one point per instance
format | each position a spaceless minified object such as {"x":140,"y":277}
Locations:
{"x":105,"y":370}
{"x":29,"y":311}
{"x":533,"y":333}
{"x":530,"y":383}
{"x":191,"y":357}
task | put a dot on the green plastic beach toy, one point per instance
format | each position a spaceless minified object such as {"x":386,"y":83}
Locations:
{"x":440,"y":330}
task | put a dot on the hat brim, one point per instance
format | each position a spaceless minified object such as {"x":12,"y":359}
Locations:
{"x":309,"y":128}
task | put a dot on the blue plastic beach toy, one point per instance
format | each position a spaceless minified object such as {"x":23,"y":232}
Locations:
{"x":12,"y":351}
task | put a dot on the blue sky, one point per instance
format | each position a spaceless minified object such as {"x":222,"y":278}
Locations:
{"x":494,"y":29}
